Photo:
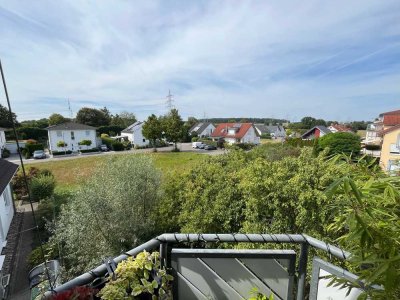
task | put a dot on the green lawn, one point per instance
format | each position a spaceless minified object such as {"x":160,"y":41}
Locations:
{"x":72,"y":172}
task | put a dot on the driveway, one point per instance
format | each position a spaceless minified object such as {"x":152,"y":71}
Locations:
{"x":184,"y":147}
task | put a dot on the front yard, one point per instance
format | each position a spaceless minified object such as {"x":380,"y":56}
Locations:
{"x":69,"y":173}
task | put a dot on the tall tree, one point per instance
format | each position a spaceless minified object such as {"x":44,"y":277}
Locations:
{"x":5,"y":119}
{"x":92,"y":117}
{"x":191,"y":122}
{"x":55,"y":119}
{"x":173,"y":127}
{"x":123,"y":119}
{"x":107,"y":114}
{"x":152,"y":129}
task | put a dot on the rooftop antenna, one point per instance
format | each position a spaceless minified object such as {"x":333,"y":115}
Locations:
{"x":205,"y":117}
{"x":170,"y":99}
{"x":70,"y":109}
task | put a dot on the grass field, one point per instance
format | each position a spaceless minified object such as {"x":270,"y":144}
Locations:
{"x":72,"y":172}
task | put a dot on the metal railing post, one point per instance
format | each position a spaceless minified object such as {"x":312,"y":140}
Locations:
{"x":302,"y":271}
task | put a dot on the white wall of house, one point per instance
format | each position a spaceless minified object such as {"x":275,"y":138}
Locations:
{"x":72,"y":138}
{"x":250,"y":137}
{"x":136,"y":137}
{"x":2,"y":141}
{"x":6,"y":214}
{"x":207,"y":131}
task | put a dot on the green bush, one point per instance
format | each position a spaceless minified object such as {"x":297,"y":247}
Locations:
{"x":90,"y":150}
{"x":56,"y":153}
{"x":117,"y":146}
{"x":195,"y":139}
{"x":266,"y":136}
{"x":30,"y":148}
{"x":35,"y":257}
{"x":42,"y":187}
{"x":61,"y":144}
{"x":85,"y":143}
{"x":5,"y":153}
{"x":109,"y":130}
{"x":339,"y":143}
{"x":299,"y":142}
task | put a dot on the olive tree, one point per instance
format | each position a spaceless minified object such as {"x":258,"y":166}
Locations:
{"x":109,"y":214}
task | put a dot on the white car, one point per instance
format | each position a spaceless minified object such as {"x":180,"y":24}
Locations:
{"x":196,"y":145}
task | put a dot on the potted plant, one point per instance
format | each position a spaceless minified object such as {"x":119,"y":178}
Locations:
{"x":139,"y":278}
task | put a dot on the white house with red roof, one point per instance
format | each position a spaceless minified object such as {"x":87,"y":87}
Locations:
{"x":385,"y":121}
{"x":339,"y":128}
{"x":236,"y":133}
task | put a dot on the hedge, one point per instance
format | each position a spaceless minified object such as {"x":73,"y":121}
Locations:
{"x":55,"y":153}
{"x":30,"y":148}
{"x":90,"y":150}
{"x":117,"y":146}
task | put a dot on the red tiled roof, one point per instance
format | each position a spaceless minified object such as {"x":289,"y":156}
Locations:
{"x":391,"y":119}
{"x":222,"y":130}
{"x":394,"y":112}
{"x":383,"y":132}
{"x":342,"y":128}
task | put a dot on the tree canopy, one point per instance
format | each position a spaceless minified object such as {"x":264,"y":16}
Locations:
{"x":173,"y":128}
{"x":152,"y":129}
{"x":93,"y":117}
{"x":5,"y":118}
{"x":56,"y":119}
{"x":340,"y":143}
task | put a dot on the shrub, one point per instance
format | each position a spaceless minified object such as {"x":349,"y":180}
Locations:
{"x":61,"y":144}
{"x":266,"y":136}
{"x":90,"y":150}
{"x":33,"y":133}
{"x":299,"y":142}
{"x":117,"y":146}
{"x":85,"y":143}
{"x":56,"y":153}
{"x":35,"y":256}
{"x":243,"y":146}
{"x":42,"y":187}
{"x":339,"y":143}
{"x":19,"y":186}
{"x":195,"y":139}
{"x":5,"y":153}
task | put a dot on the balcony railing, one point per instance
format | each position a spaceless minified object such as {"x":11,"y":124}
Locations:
{"x":230,"y":273}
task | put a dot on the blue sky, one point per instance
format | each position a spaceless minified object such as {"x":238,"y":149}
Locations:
{"x":338,"y":60}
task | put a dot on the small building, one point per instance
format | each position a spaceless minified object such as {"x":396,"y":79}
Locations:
{"x":7,"y":172}
{"x":134,"y":134}
{"x":385,"y":121}
{"x":236,"y":133}
{"x":204,"y":129}
{"x":390,"y":151}
{"x":2,"y":140}
{"x":71,"y":134}
{"x":315,"y":132}
{"x":276,"y":131}
{"x":339,"y":128}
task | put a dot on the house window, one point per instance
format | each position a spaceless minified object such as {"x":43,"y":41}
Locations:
{"x":72,"y":135}
{"x":59,"y":134}
{"x":394,"y":149}
{"x":144,"y":140}
{"x":87,"y":132}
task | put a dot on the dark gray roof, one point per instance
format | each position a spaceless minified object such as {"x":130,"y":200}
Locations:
{"x":131,"y":128}
{"x":71,"y":126}
{"x":199,"y":127}
{"x":7,"y":171}
{"x":320,"y":127}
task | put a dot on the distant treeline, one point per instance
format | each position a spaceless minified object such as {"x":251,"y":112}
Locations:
{"x":246,"y":120}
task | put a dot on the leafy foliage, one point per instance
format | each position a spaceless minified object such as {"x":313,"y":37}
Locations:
{"x":92,"y":117}
{"x":340,"y":143}
{"x":6,"y":118}
{"x":370,"y":211}
{"x":152,"y":129}
{"x":61,"y":144}
{"x":85,"y":143}
{"x":173,"y":126}
{"x":42,"y":187}
{"x":138,"y":277}
{"x":114,"y":208}
{"x":56,"y":119}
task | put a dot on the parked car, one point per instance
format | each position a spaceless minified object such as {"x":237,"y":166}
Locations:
{"x":103,"y":148}
{"x":39,"y":154}
{"x":210,"y":147}
{"x":196,"y":144}
{"x":201,"y":146}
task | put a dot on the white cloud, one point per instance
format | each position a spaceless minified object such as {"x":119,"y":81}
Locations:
{"x":233,"y":58}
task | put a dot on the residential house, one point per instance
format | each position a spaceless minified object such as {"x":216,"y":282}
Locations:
{"x":204,"y":129}
{"x":236,"y":133}
{"x":315,"y":132}
{"x":71,"y":134}
{"x":2,"y":140}
{"x":390,"y":151}
{"x":276,"y":131}
{"x":7,"y":171}
{"x":134,"y":134}
{"x":384,"y":121}
{"x":339,"y":128}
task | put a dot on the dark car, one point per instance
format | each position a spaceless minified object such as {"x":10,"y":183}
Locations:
{"x":210,"y":147}
{"x":38,"y":154}
{"x":103,"y":148}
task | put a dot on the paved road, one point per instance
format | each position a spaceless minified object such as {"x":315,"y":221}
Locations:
{"x":184,"y":147}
